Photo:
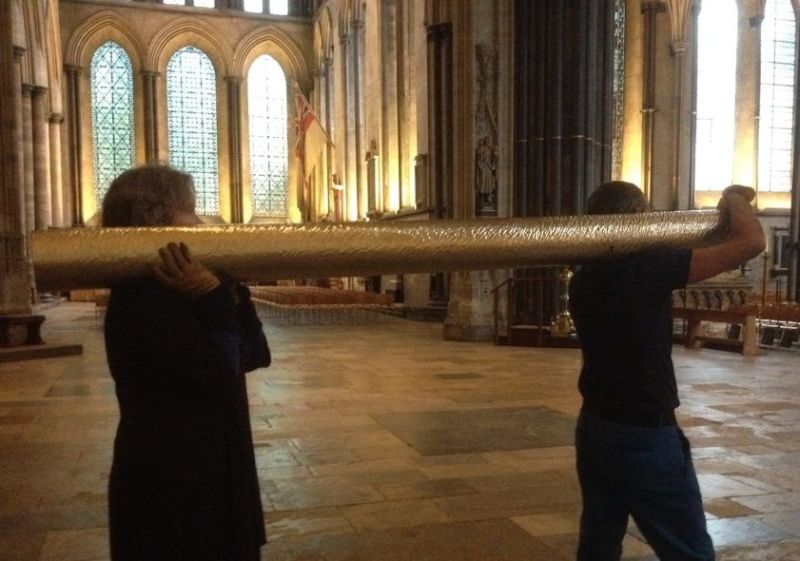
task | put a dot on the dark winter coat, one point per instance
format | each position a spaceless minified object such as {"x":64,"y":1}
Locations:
{"x":183,"y":483}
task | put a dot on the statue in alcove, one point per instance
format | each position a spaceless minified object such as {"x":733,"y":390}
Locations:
{"x":485,"y":177}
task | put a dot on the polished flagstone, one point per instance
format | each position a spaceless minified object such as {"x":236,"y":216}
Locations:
{"x":382,"y":442}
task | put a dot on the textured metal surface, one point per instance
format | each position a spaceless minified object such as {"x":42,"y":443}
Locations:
{"x":99,"y":257}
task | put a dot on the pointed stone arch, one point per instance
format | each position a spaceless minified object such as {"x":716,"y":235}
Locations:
{"x":274,"y":42}
{"x":102,"y":27}
{"x":188,"y":31}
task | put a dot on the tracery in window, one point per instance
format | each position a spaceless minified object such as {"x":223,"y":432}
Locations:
{"x":269,"y":151}
{"x":192,"y":123}
{"x":776,"y":97}
{"x":716,"y":95}
{"x":112,"y":115}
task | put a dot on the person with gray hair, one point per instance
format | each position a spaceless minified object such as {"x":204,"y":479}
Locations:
{"x":632,"y":457}
{"x":183,"y":483}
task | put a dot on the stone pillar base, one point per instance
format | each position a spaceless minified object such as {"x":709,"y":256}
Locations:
{"x":468,"y":333}
{"x":16,"y":330}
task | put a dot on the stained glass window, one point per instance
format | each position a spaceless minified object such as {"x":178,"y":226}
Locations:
{"x":192,"y":123}
{"x":174,"y":2}
{"x":255,"y":6}
{"x":269,"y":150}
{"x":279,"y":7}
{"x":112,"y":115}
{"x":618,"y":85}
{"x":203,"y":3}
{"x":777,"y":97}
{"x":716,"y":94}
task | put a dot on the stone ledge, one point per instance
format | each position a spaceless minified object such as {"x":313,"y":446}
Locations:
{"x":43,"y":350}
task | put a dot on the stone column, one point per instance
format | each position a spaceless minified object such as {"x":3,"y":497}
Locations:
{"x":390,"y":150}
{"x":327,"y":74}
{"x":682,"y":15}
{"x":358,"y":116}
{"x":17,"y":325}
{"x":681,"y":117}
{"x":793,"y":281}
{"x":150,"y":116}
{"x":28,"y":176}
{"x":391,"y":121}
{"x":41,"y":160}
{"x":440,"y":118}
{"x":477,"y":28}
{"x":650,"y":9}
{"x":73,"y":107}
{"x":17,"y":135}
{"x":348,"y":150}
{"x":27,"y":157}
{"x":440,"y":145}
{"x":407,"y":199}
{"x":319,"y":187}
{"x":56,"y":185}
{"x":14,"y":287}
{"x":562,"y":80}
{"x":235,"y":147}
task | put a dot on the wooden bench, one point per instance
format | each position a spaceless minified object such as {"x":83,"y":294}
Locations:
{"x":694,"y":338}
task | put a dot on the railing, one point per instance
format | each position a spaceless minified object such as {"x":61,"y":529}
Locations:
{"x":710,"y":296}
{"x":310,"y":305}
{"x":541,"y":320}
{"x":777,"y":323}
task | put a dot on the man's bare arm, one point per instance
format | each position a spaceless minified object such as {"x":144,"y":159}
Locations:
{"x":744,"y":241}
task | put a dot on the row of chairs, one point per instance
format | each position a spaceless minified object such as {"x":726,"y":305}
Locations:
{"x":321,"y":314}
{"x":312,"y":295}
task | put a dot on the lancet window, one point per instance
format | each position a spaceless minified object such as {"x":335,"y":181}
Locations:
{"x":192,"y":123}
{"x":716,"y":95}
{"x":267,"y":100}
{"x":112,"y":115}
{"x":776,"y":111}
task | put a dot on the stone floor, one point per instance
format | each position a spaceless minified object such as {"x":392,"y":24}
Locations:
{"x":385,"y":443}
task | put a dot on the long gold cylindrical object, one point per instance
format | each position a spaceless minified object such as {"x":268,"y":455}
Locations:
{"x":101,"y":257}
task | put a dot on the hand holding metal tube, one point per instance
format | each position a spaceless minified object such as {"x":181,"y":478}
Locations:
{"x":740,"y":215}
{"x":178,"y":271}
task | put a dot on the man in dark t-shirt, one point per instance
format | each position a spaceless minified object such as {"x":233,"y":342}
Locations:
{"x":632,"y":458}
